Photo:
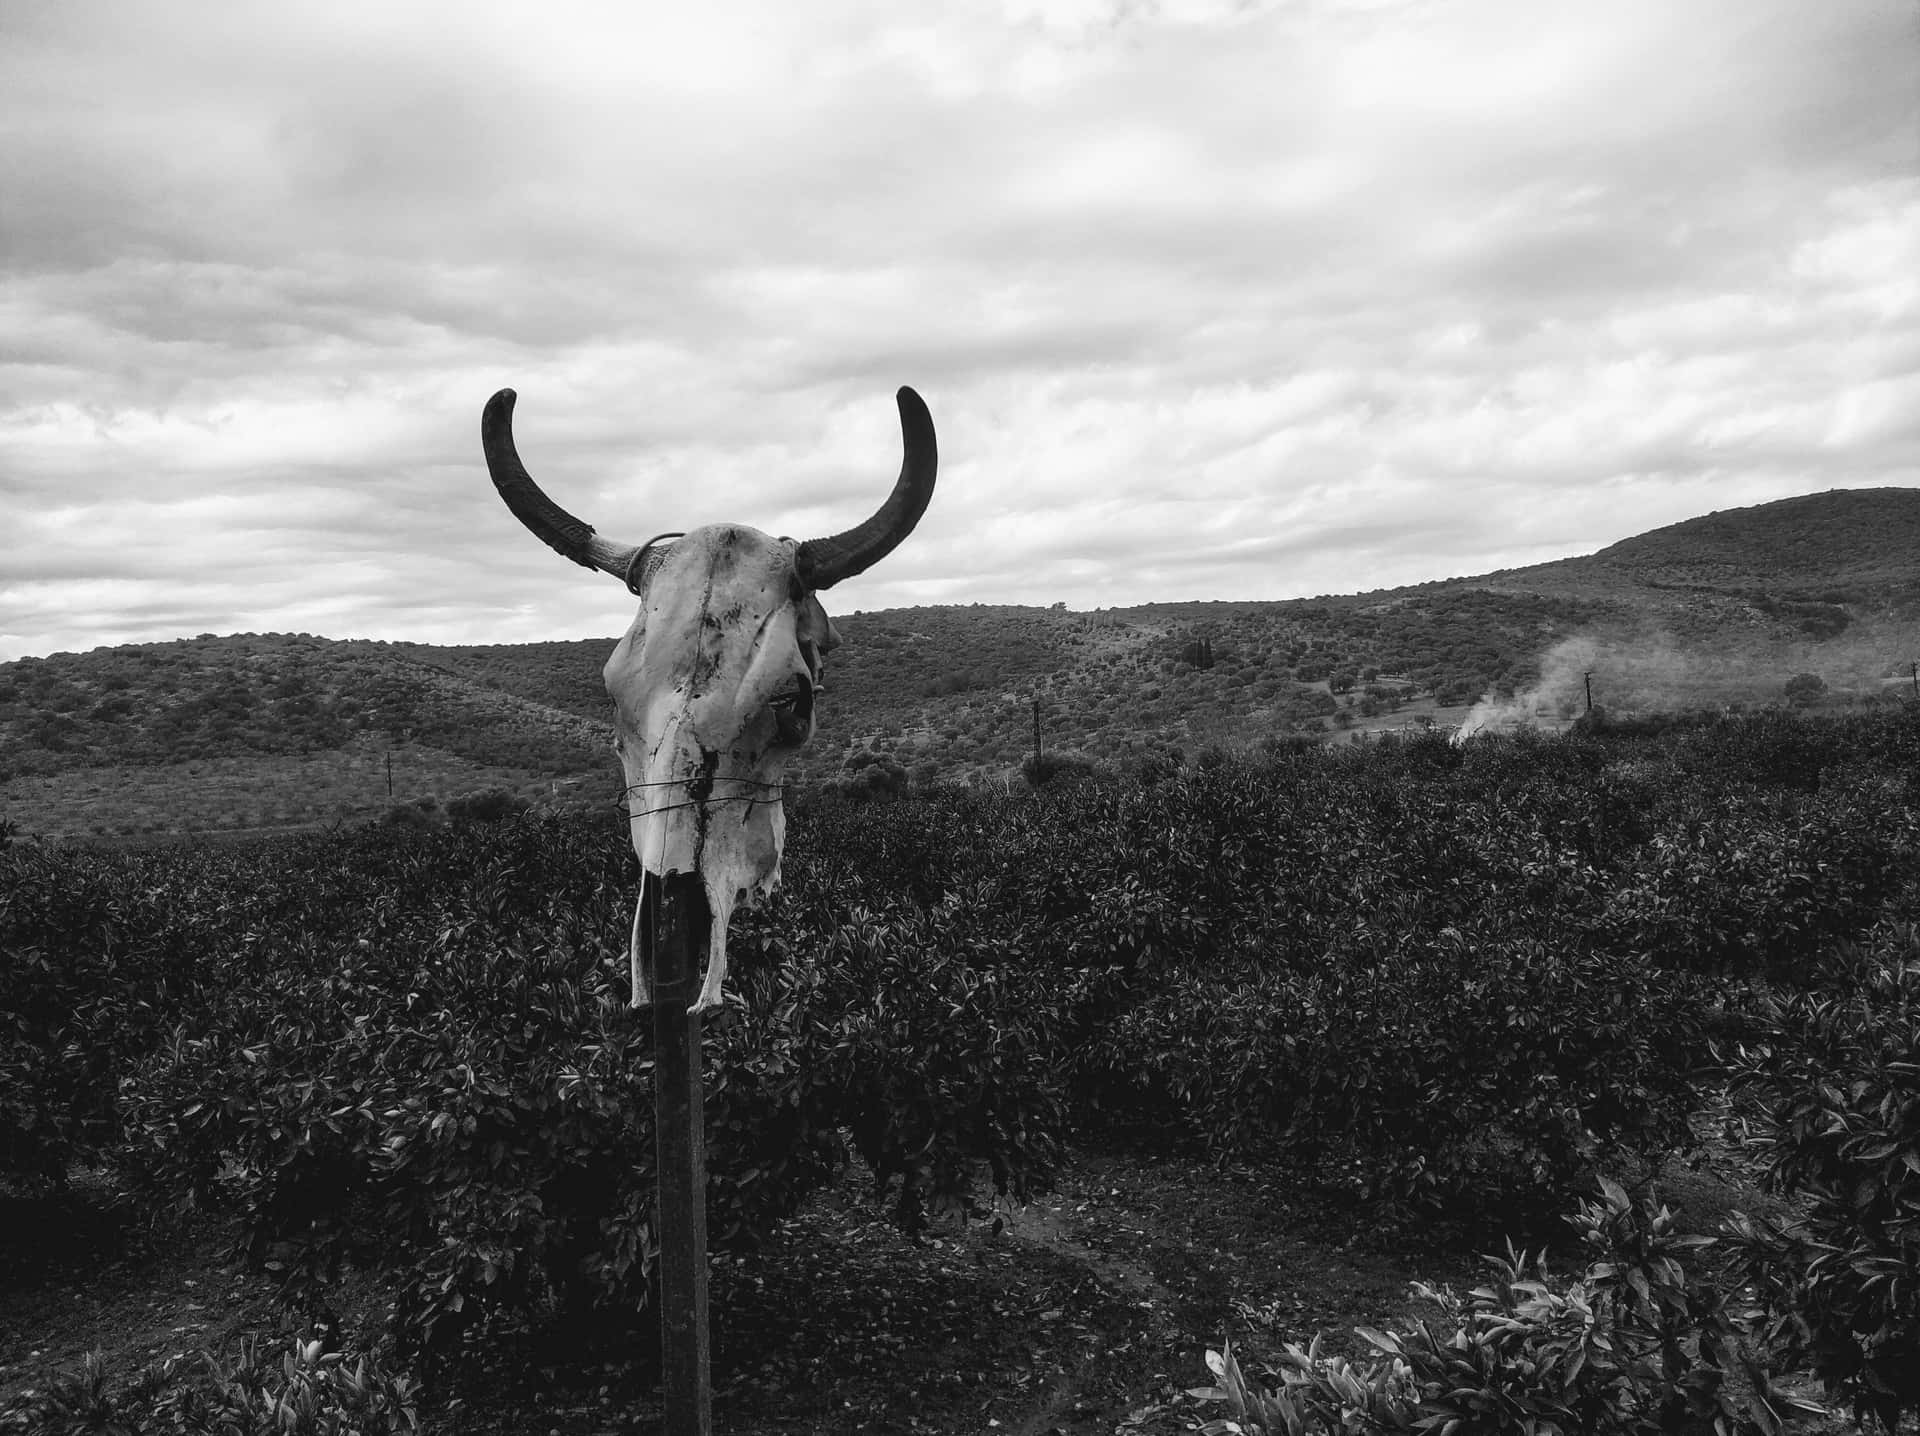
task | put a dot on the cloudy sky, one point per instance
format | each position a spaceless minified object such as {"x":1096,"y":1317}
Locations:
{"x":1208,"y":299}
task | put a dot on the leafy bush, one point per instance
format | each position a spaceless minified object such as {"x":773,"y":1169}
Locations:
{"x":253,"y":1393}
{"x":1804,"y":688}
{"x":422,"y":812}
{"x":92,"y":961}
{"x":486,"y":805}
{"x":1757,"y":885}
{"x":1640,"y":1343}
{"x":1058,"y":766}
{"x":1444,"y":1074}
{"x":1430,"y":973}
{"x":1834,"y":1092}
{"x":461,"y":1099}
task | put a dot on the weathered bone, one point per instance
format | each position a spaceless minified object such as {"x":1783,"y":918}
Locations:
{"x":713,"y":685}
{"x":696,"y":685}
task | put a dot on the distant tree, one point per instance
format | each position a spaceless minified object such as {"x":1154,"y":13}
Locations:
{"x":883,"y":779}
{"x":1198,"y":652}
{"x":1062,"y":766}
{"x":1805,"y":688}
{"x":488,"y":805}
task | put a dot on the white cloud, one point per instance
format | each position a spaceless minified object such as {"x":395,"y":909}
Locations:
{"x":1209,"y":298}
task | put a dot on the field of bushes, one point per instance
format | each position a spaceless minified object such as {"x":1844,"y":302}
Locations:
{"x":1446,"y":985}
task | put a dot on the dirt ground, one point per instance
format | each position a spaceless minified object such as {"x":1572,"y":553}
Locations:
{"x":1088,"y":1311}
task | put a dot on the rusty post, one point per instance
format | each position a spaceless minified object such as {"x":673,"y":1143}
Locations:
{"x":680,"y":1153}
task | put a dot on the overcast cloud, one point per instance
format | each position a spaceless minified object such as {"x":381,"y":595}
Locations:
{"x":1209,"y":299}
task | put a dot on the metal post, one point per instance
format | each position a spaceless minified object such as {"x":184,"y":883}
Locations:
{"x":680,"y":1154}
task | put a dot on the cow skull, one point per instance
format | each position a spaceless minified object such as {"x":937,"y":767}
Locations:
{"x":713,"y":685}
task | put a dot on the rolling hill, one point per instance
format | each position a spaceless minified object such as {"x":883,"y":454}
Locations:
{"x":257,"y":731}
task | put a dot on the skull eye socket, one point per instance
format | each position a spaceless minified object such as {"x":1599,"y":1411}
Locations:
{"x":793,"y":711}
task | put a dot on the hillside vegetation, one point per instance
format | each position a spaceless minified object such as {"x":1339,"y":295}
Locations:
{"x":1439,"y":984}
{"x":261,"y":731}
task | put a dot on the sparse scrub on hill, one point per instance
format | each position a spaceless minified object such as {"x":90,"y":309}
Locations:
{"x":1714,"y":612}
{"x":275,"y":696}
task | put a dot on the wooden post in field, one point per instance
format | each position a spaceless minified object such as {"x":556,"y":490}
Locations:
{"x":1589,"y":677}
{"x":681,"y":924}
{"x":1036,"y":731}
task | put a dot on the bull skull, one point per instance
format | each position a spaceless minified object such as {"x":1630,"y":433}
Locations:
{"x":713,"y":685}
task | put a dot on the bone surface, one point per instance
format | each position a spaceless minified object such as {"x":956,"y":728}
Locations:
{"x":713,"y":685}
{"x":698,"y":686}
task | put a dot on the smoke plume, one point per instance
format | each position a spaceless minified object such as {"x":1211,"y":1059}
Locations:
{"x":1654,"y":673}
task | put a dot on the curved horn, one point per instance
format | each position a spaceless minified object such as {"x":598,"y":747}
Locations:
{"x":559,"y":530}
{"x":823,"y":562}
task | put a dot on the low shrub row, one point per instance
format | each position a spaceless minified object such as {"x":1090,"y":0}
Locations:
{"x":1451,"y":977}
{"x":1652,"y":1337}
{"x":1643,"y":1341}
{"x":250,"y":1391}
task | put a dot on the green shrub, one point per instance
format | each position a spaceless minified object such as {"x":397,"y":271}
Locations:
{"x":1641,"y":1343}
{"x":1804,"y":688}
{"x":1478,"y":1077}
{"x":94,"y":959}
{"x":1757,"y":884}
{"x":461,"y":1100}
{"x":1436,"y":975}
{"x":1059,"y":766}
{"x":1833,"y":1091}
{"x":485,"y":805}
{"x":251,"y":1393}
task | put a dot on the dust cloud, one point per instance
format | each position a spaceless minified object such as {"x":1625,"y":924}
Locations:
{"x":1651,"y":673}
